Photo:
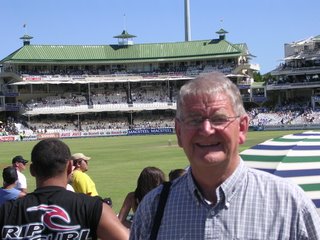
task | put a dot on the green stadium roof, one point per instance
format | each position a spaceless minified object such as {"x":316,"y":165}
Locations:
{"x":107,"y":54}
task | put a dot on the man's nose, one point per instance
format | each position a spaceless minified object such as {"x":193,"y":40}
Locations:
{"x":206,"y":127}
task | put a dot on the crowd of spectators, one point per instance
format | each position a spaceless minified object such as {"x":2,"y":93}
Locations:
{"x":294,"y":79}
{"x":265,"y":118}
{"x":94,"y":122}
{"x":291,"y":113}
{"x":179,"y":68}
{"x":8,"y":127}
{"x":101,"y":99}
{"x":55,"y":101}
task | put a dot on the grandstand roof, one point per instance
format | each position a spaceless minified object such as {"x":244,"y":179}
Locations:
{"x":316,"y":38}
{"x":154,"y":52}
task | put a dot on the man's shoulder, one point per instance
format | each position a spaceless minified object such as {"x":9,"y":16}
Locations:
{"x":56,"y":195}
{"x":76,"y":171}
{"x":266,"y":176}
{"x":272,"y":182}
{"x":12,"y":190}
{"x":177,"y":187}
{"x":20,"y":174}
{"x":78,"y":174}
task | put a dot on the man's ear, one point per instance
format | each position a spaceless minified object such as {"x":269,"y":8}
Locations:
{"x":243,"y":128}
{"x":177,"y":126}
{"x":31,"y":169}
{"x":69,"y":167}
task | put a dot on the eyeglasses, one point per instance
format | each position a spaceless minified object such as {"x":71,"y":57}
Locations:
{"x":216,"y":122}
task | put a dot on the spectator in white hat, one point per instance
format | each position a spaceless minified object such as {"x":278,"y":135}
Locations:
{"x":81,"y":182}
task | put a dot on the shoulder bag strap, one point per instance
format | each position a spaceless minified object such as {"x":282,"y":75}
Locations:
{"x":162,"y":203}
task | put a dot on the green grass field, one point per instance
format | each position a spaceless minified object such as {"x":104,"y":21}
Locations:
{"x":117,"y":161}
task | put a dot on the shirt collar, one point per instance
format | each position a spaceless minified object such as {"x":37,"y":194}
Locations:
{"x":226,"y":191}
{"x":233,"y":183}
{"x":49,"y":189}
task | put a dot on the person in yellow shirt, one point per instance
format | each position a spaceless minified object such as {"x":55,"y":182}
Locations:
{"x":81,"y":182}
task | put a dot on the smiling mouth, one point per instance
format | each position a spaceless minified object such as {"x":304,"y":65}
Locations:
{"x":203,"y":145}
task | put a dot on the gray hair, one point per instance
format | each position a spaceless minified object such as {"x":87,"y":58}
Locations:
{"x":211,"y":84}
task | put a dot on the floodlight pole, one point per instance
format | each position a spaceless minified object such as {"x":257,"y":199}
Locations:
{"x":79,"y":122}
{"x":187,"y":20}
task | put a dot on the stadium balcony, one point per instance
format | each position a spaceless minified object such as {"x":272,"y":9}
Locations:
{"x":84,"y":108}
{"x":54,"y":110}
{"x":152,"y":106}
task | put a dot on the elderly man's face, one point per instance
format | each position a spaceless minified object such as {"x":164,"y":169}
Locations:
{"x":210,"y":131}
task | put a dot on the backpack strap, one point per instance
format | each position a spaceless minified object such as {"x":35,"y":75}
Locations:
{"x":160,"y":209}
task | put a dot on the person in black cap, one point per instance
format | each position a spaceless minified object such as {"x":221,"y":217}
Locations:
{"x":8,"y":191}
{"x":19,"y":163}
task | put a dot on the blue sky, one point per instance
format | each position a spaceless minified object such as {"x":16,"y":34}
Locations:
{"x":264,"y":25}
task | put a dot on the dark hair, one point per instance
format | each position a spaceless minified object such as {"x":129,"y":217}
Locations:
{"x":9,"y":175}
{"x":149,"y":178}
{"x":49,"y":157}
{"x":173,"y":174}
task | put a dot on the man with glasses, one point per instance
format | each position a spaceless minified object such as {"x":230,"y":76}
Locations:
{"x":19,"y":163}
{"x":220,"y":197}
{"x":81,"y":182}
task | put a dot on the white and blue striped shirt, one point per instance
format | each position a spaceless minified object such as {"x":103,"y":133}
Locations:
{"x":251,"y":205}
